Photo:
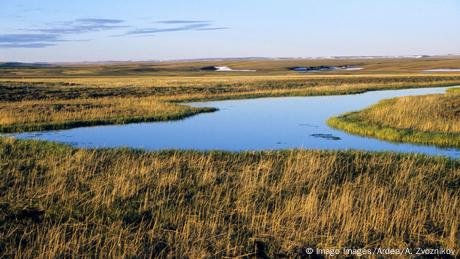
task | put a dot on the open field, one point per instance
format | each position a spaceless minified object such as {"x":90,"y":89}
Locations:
{"x":430,"y":119}
{"x":43,"y":103}
{"x":57,"y":201}
{"x":262,"y":66}
{"x":229,"y":129}
{"x":58,"y":104}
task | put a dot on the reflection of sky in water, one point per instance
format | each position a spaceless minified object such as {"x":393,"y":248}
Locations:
{"x":255,"y":124}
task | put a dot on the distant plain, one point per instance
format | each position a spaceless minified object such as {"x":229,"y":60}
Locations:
{"x":56,"y":200}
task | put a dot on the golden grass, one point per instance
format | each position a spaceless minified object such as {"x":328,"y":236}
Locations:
{"x":62,"y":202}
{"x":41,"y":104}
{"x":43,"y":114}
{"x":429,"y":119}
{"x":438,"y":113}
{"x":236,"y":80}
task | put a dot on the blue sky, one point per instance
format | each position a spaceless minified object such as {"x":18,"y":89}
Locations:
{"x":88,"y":30}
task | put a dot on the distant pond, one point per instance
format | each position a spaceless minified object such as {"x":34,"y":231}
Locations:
{"x":250,"y":124}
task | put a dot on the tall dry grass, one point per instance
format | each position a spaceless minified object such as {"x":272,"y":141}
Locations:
{"x":429,"y":119}
{"x":435,"y":113}
{"x":44,"y":114}
{"x":62,"y":202}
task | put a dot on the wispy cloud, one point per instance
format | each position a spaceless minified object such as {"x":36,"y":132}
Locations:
{"x":82,"y":26}
{"x":182,"y":22}
{"x":180,"y":25}
{"x":11,"y":38}
{"x":213,"y":29}
{"x":159,"y":30}
{"x":26,"y":45}
{"x":56,"y":32}
{"x":28,"y":40}
{"x":100,"y":21}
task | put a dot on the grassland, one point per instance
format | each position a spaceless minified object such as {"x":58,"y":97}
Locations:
{"x":429,"y":119}
{"x":59,"y":201}
{"x":66,"y":96}
{"x":58,"y":103}
{"x":56,"y":201}
{"x":263,"y":67}
{"x":49,"y":115}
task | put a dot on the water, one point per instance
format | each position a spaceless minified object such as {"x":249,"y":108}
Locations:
{"x":254,"y":124}
{"x":443,"y":70}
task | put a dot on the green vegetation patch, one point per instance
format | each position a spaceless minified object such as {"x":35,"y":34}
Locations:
{"x":430,"y":119}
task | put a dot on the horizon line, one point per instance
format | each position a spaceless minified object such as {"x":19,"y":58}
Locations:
{"x":415,"y":56}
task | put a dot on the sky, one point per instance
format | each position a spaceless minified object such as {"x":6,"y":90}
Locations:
{"x":109,"y":30}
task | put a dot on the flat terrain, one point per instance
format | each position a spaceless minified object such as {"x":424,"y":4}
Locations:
{"x":40,"y":104}
{"x":59,"y":201}
{"x":261,"y":66}
{"x":429,"y":119}
{"x":66,"y":96}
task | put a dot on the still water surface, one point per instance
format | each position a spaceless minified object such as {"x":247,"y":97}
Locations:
{"x":253,"y":124}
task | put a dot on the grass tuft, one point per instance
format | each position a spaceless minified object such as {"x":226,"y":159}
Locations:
{"x":429,"y":119}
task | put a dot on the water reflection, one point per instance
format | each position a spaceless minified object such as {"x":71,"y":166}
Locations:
{"x":254,"y":124}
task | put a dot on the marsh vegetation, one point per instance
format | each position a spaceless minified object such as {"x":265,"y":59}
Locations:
{"x":429,"y":119}
{"x":44,"y":104}
{"x":58,"y":114}
{"x":57,"y":201}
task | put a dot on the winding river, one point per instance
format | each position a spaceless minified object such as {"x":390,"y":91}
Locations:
{"x":251,"y":124}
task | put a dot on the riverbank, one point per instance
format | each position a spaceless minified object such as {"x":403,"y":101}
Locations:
{"x":50,"y":104}
{"x":64,"y":114}
{"x":430,"y":119}
{"x":61,"y":201}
